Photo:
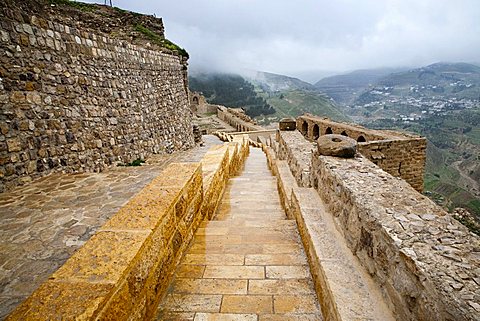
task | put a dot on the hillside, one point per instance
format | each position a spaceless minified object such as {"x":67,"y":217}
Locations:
{"x":270,"y":82}
{"x":231,"y":91}
{"x":295,"y":102}
{"x":344,"y":88}
{"x":267,"y":97}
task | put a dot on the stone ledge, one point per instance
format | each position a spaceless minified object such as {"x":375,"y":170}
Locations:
{"x":426,"y":262}
{"x":344,"y":288}
{"x":123,"y":271}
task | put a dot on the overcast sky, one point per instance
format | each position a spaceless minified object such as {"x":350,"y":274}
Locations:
{"x":294,"y":37}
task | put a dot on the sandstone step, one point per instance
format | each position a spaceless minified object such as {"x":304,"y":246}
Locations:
{"x":248,"y":263}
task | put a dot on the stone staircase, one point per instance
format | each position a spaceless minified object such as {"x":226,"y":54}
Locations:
{"x":248,"y":263}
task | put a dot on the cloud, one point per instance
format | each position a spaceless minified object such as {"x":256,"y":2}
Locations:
{"x":295,"y":36}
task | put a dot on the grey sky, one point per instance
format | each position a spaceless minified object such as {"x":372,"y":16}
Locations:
{"x":291,"y":37}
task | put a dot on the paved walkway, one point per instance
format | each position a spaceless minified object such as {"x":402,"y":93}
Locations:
{"x":246,"y":264}
{"x":44,"y":222}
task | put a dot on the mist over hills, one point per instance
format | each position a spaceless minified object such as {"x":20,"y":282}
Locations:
{"x":440,"y":101}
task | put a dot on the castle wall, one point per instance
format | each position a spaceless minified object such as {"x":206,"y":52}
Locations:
{"x":73,"y":100}
{"x":240,"y":121}
{"x":398,"y":154}
{"x":424,"y":260}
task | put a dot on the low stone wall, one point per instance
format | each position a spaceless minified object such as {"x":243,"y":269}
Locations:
{"x":401,"y":158}
{"x":399,"y":154}
{"x":426,"y":263}
{"x":296,"y":150}
{"x":240,"y":121}
{"x":123,"y":271}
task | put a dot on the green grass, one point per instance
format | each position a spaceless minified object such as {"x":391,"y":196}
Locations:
{"x":78,"y":5}
{"x":137,"y":162}
{"x":161,"y":41}
{"x":293,"y":103}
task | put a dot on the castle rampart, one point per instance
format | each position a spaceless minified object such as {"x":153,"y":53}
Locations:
{"x":401,"y":155}
{"x":75,"y":99}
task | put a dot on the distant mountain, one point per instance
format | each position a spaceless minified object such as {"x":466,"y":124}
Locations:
{"x":270,"y":82}
{"x":344,"y":88}
{"x":460,"y":80}
{"x":230,"y":90}
{"x":441,"y":102}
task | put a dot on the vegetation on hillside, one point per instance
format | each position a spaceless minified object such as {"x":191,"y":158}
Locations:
{"x":231,"y":91}
{"x":293,"y":103}
{"x":453,"y":156}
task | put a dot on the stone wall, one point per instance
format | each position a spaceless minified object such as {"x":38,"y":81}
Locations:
{"x":75,"y":99}
{"x":199,"y":105}
{"x":237,"y":119}
{"x":426,"y":263}
{"x":401,"y":155}
{"x":123,"y":271}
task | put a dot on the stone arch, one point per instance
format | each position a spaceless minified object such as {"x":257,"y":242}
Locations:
{"x":316,"y":131}
{"x":195,"y":100}
{"x":344,"y":133}
{"x":361,"y":139}
{"x":328,"y":131}
{"x":304,"y":128}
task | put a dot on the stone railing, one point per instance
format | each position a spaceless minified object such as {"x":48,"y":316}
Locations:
{"x":123,"y":271}
{"x":236,"y":119}
{"x":425,"y":263}
{"x":399,"y":154}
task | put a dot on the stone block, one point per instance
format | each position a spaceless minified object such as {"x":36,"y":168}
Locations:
{"x":71,"y":300}
{"x":287,"y":124}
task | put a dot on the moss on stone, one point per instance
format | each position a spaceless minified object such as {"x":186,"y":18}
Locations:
{"x":161,"y":41}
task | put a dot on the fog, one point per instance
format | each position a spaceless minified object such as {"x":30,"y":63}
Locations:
{"x":310,"y":39}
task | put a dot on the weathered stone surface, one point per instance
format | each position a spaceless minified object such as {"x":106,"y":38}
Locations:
{"x":287,"y":124}
{"x":336,"y":145}
{"x":399,"y":154}
{"x":51,"y":218}
{"x":75,"y":89}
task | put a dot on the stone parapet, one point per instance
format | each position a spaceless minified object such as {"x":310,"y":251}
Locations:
{"x":75,"y":99}
{"x":399,"y":154}
{"x":297,"y":151}
{"x":426,"y":263}
{"x":237,"y":119}
{"x":123,"y":271}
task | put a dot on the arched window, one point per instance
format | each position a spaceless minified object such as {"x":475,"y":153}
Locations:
{"x":316,"y":131}
{"x":344,"y":133}
{"x":328,"y":131}
{"x":195,"y":100}
{"x":361,"y":139}
{"x":305,"y":128}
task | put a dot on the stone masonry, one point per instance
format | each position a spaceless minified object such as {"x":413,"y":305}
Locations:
{"x":75,"y":99}
{"x":399,"y":154}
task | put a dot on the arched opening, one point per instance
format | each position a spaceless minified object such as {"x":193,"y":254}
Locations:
{"x":316,"y":131}
{"x":328,"y":131}
{"x":361,"y":139}
{"x":195,"y":100}
{"x":344,"y":133}
{"x":304,"y":128}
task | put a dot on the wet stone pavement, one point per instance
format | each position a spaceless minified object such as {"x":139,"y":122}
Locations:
{"x":248,"y":263}
{"x":44,"y":222}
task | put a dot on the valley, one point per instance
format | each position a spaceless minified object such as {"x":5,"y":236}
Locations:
{"x":440,"y":101}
